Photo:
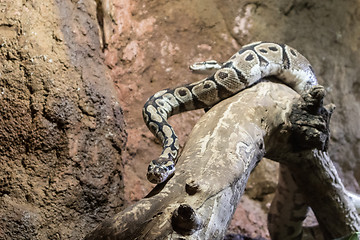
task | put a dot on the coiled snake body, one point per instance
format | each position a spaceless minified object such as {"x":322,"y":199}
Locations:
{"x":245,"y":68}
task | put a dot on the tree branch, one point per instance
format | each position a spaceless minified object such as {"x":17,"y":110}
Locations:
{"x":312,"y":171}
{"x":225,"y":145}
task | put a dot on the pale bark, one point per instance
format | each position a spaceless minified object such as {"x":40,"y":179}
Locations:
{"x":212,"y":171}
{"x":311,"y":168}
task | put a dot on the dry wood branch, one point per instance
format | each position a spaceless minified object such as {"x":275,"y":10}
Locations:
{"x":223,"y":148}
{"x":326,"y":195}
{"x":312,"y":171}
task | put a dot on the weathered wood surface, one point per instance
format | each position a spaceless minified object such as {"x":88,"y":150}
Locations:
{"x":212,"y":171}
{"x":304,"y":152}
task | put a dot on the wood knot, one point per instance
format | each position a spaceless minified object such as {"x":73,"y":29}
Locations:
{"x":313,"y":99}
{"x":310,"y":121}
{"x":191,"y":187}
{"x":185,"y":221}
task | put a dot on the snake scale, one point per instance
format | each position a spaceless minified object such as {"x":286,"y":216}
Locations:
{"x":245,"y":68}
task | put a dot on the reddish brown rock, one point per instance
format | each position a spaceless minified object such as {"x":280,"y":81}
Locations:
{"x":62,"y":130}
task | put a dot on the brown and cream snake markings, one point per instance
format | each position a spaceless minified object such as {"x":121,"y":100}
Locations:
{"x":252,"y":63}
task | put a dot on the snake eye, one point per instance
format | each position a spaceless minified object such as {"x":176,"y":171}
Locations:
{"x":151,"y":166}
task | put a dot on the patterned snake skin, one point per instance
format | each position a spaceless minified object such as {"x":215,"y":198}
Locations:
{"x":248,"y":66}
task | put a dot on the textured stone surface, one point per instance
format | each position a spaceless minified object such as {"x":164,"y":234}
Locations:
{"x":61,"y":128}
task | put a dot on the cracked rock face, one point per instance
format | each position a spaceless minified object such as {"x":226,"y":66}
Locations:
{"x":61,"y":127}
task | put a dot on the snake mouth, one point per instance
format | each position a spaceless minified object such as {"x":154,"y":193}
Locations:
{"x":159,"y":175}
{"x":155,"y":178}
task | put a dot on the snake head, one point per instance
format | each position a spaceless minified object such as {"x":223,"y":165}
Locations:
{"x":160,"y":170}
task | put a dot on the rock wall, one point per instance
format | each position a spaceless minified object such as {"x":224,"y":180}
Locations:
{"x":61,"y":127}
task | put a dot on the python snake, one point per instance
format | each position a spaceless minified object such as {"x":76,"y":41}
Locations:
{"x":245,"y":68}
